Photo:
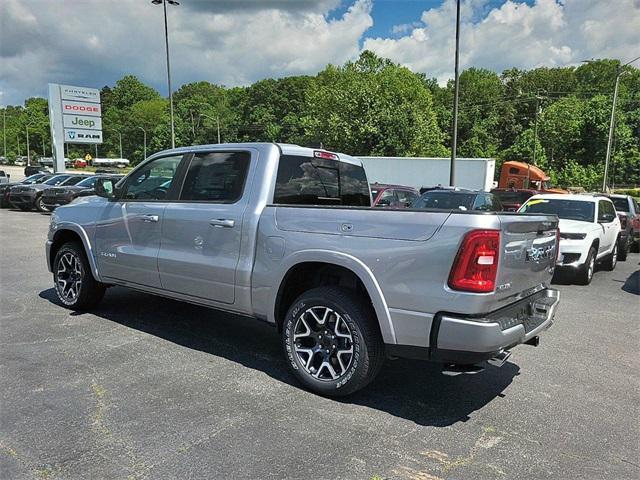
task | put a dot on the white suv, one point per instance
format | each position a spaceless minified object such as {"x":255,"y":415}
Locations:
{"x":589,"y":230}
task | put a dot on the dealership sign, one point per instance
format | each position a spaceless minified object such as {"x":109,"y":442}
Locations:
{"x":75,"y":115}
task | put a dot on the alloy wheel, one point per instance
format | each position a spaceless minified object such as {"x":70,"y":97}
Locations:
{"x":323,"y":343}
{"x":69,"y":277}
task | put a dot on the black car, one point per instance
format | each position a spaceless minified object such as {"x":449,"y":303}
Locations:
{"x":61,"y":195}
{"x":5,"y":187}
{"x":459,"y":199}
{"x":33,"y":169}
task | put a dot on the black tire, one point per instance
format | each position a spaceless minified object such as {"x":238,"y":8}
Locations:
{"x":89,"y":292}
{"x":40,"y":206}
{"x":586,"y":270}
{"x":352,"y":322}
{"x":623,"y":251}
{"x":612,"y":259}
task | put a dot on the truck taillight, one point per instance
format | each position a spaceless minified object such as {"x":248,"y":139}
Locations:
{"x":623,"y":221}
{"x":476,"y":265}
{"x":325,"y":155}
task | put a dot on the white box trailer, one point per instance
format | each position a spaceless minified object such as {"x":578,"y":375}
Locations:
{"x":110,"y":162}
{"x":417,"y":172}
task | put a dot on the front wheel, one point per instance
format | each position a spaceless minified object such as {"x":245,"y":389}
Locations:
{"x":40,"y":206}
{"x":74,"y":283}
{"x":585,"y":273}
{"x":332,"y":341}
{"x":612,"y":259}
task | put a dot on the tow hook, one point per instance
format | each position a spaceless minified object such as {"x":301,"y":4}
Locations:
{"x":533,"y":341}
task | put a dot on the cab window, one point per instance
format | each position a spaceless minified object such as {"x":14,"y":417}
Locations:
{"x":216,"y":177}
{"x":152,"y":181}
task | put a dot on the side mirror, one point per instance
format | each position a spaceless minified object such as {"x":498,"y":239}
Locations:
{"x":606,"y":218}
{"x":105,"y":187}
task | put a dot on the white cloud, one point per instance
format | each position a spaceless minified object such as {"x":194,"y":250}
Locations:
{"x":95,"y":42}
{"x":549,"y":33}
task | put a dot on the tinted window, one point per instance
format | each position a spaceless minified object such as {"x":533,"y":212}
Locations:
{"x":56,"y":180}
{"x":514,"y":170}
{"x":216,"y":177}
{"x":445,"y":200}
{"x":567,"y":209}
{"x":151,"y":181}
{"x":405,"y":197}
{"x":314,"y":181}
{"x":33,"y":178}
{"x":606,"y":211}
{"x":72,"y":180}
{"x":512,"y":197}
{"x":88,"y":182}
{"x":387,"y":199}
{"x":622,"y":204}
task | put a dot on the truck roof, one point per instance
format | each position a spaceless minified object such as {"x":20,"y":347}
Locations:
{"x":285,"y":148}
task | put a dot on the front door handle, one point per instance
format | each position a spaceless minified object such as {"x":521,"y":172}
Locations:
{"x":222,"y":222}
{"x":150,"y":218}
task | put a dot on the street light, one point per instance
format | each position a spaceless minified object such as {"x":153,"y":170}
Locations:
{"x":144,"y":132}
{"x":456,"y":87}
{"x":120,"y":137}
{"x":28,"y":152}
{"x":166,"y":41}
{"x":619,"y":73}
{"x":217,"y":120}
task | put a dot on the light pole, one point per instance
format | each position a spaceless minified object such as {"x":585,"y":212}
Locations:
{"x":619,"y":73}
{"x":166,"y":42}
{"x":4,"y":130}
{"x":28,"y":152}
{"x":456,"y":87}
{"x":217,"y":120}
{"x":120,"y":138}
{"x":144,"y":133}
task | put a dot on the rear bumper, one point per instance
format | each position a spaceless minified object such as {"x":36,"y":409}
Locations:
{"x":471,"y":339}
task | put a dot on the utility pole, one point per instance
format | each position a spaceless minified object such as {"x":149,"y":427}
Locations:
{"x":535,"y":137}
{"x":454,"y":134}
{"x":4,"y":130}
{"x":144,"y":133}
{"x":166,"y":42}
{"x":28,"y":152}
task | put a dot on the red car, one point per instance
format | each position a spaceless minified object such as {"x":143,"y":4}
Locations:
{"x":394,"y":196}
{"x":513,"y":198}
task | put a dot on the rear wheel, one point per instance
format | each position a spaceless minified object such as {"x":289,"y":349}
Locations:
{"x":585,"y":273}
{"x":612,"y":259}
{"x":624,"y":250}
{"x":74,"y":283}
{"x":332,"y":342}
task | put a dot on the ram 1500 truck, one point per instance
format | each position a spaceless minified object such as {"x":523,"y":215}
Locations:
{"x":286,"y":234}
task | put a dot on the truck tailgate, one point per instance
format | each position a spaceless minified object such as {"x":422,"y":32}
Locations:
{"x":528,"y":253}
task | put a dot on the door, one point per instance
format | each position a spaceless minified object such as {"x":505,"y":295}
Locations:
{"x":128,"y":232}
{"x":606,"y":219}
{"x":201,"y":233}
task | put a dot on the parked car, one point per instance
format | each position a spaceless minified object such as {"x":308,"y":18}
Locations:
{"x":20,"y":161}
{"x":268,"y":230}
{"x":512,"y":198}
{"x":395,"y":196}
{"x":6,"y":187}
{"x":4,"y":177}
{"x":57,"y":196}
{"x":28,"y":197}
{"x":629,"y":215}
{"x":458,"y":199}
{"x":33,"y":169}
{"x":589,"y":231}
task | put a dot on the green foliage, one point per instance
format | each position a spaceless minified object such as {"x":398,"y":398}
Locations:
{"x":372,"y":106}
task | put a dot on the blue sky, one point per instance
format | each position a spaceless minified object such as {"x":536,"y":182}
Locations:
{"x":94,"y":43}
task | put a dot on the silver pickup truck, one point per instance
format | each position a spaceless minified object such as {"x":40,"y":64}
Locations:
{"x":286,"y":234}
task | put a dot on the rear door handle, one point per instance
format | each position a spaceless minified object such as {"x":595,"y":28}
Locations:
{"x":222,"y":222}
{"x":150,"y":218}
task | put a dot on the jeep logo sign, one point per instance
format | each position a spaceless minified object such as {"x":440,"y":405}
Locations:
{"x":81,"y":121}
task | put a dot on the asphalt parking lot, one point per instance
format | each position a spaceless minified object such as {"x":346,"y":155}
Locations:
{"x":151,"y":388}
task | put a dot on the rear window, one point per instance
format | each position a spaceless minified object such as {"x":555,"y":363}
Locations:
{"x":622,"y":205}
{"x":315,"y":181}
{"x":445,"y":201}
{"x":566,"y":209}
{"x":216,"y":177}
{"x":88,"y":182}
{"x":72,"y":180}
{"x":513,"y":197}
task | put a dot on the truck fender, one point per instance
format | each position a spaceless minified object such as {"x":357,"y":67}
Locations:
{"x":82,"y":233}
{"x":362,"y":271}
